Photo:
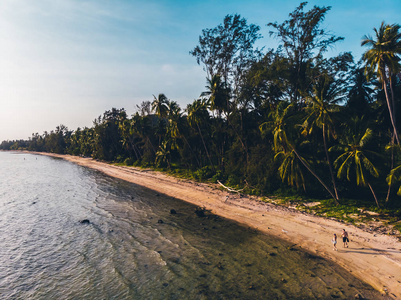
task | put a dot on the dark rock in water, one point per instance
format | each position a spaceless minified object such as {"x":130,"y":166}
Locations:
{"x":173,"y":212}
{"x":200,"y":212}
{"x":220,"y":266}
{"x":85,"y":221}
{"x":160,"y":221}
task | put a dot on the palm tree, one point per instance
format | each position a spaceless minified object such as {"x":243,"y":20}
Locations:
{"x":393,"y":177}
{"x":163,"y":154}
{"x":173,"y":117}
{"x":290,"y":170}
{"x":319,"y":114}
{"x":160,"y":105}
{"x":282,"y":143}
{"x":383,"y":57}
{"x":197,"y":113}
{"x":175,"y":125}
{"x":395,"y":174}
{"x":218,"y":94}
{"x":355,"y":154}
{"x":361,"y":92}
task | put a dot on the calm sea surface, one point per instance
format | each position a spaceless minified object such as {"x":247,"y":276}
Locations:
{"x":134,"y":248}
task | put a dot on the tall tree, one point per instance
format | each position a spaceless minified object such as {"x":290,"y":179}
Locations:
{"x":227,"y":50}
{"x":319,"y":114}
{"x":328,"y":88}
{"x":383,"y":58}
{"x":302,"y":38}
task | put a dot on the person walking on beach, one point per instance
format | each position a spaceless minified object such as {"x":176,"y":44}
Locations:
{"x":345,"y":238}
{"x":334,"y":241}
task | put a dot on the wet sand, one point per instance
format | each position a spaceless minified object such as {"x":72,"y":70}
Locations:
{"x":372,"y":257}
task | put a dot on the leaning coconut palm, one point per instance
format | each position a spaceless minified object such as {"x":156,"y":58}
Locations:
{"x":354,"y":157}
{"x":383,"y":58}
{"x":278,"y":126}
{"x":319,"y":112}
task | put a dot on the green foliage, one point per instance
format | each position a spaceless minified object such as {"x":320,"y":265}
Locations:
{"x":129,"y":161}
{"x":204,"y":173}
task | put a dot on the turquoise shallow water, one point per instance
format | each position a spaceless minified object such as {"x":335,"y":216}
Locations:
{"x":134,"y":248}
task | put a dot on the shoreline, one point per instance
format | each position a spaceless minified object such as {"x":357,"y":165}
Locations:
{"x":372,"y":257}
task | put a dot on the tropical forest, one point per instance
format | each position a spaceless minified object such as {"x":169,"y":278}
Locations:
{"x":291,"y":122}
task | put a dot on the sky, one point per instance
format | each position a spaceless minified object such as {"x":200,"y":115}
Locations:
{"x":68,"y":61}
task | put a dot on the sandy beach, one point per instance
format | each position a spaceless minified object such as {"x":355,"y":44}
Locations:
{"x":372,"y":257}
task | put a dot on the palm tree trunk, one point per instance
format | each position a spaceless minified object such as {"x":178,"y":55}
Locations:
{"x":392,"y":166}
{"x":204,"y":145}
{"x":186,"y":141}
{"x":389,"y":106}
{"x":329,"y":163}
{"x":374,"y":195}
{"x":315,"y":175}
{"x":393,"y":105}
{"x":241,"y":141}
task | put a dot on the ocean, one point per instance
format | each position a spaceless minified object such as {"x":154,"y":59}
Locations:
{"x":69,"y":232}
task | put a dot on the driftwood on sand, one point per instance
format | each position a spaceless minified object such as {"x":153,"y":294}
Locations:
{"x":230,"y":189}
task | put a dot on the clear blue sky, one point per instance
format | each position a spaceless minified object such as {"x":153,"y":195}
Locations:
{"x":67,"y":61}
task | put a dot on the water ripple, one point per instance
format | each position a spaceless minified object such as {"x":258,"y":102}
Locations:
{"x":133,"y":248}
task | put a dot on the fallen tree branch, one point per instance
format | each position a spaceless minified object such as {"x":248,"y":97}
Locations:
{"x":230,"y":189}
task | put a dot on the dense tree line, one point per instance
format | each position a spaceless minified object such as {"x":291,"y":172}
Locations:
{"x":268,"y":119}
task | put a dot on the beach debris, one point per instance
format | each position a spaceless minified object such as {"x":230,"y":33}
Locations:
{"x":358,"y":296}
{"x":229,"y":189}
{"x":85,"y":221}
{"x":285,"y":231}
{"x":173,"y":211}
